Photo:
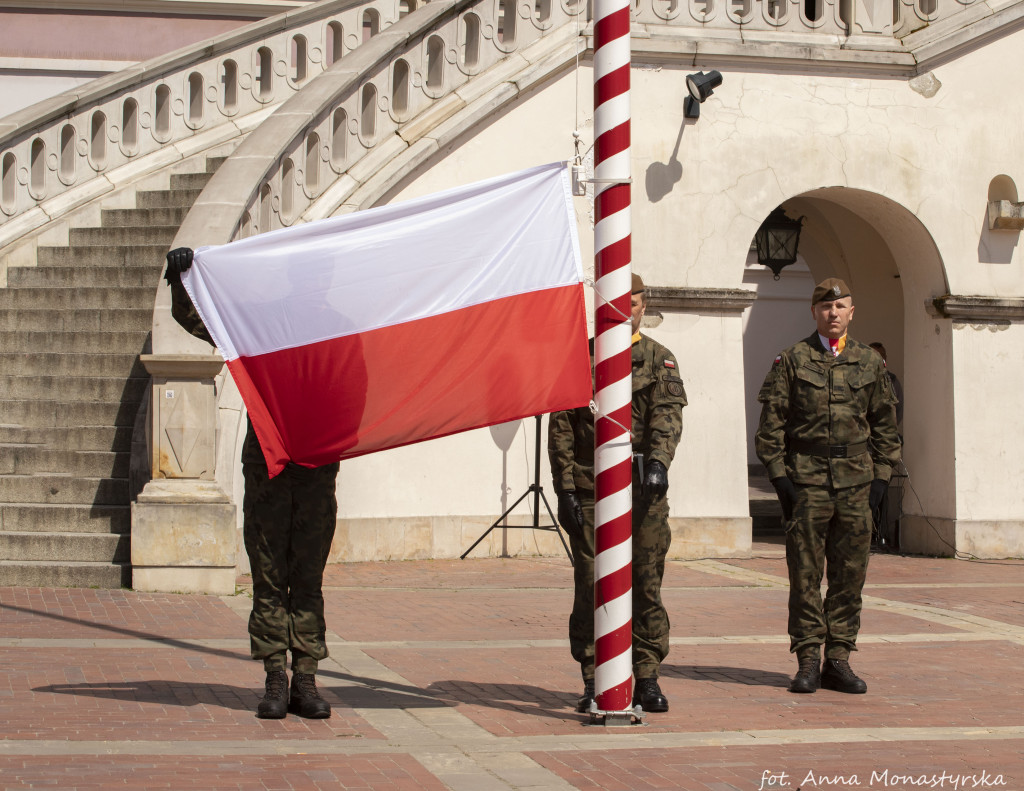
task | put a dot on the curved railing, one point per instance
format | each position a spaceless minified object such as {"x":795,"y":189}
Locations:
{"x":68,"y":149}
{"x":364,"y":112}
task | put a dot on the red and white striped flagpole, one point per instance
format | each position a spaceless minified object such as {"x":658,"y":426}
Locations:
{"x":613,"y":544}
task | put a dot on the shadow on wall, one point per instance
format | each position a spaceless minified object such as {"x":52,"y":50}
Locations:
{"x":662,"y":177}
{"x":996,"y":247}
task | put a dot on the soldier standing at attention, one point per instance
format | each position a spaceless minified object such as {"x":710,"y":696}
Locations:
{"x":288,"y":526}
{"x":828,"y":438}
{"x":658,"y":401}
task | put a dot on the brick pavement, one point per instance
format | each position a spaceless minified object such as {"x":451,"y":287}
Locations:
{"x":456,"y":674}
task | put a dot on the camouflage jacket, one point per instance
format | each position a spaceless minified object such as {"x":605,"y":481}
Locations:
{"x":811,"y":397}
{"x":658,"y":401}
{"x":187,"y":316}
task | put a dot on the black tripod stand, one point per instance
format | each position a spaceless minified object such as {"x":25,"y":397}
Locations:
{"x":538,"y":495}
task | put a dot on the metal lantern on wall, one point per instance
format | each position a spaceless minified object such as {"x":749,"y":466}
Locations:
{"x":777,"y":240}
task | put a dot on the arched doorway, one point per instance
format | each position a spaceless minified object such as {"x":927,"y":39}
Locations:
{"x":893,"y":268}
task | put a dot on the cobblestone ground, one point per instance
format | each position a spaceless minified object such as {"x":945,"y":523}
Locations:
{"x":457,"y":675}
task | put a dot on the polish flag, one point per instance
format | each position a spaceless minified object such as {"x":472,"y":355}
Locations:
{"x":405,"y":322}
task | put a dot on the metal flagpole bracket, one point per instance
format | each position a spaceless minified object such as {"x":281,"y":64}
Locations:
{"x":594,"y":411}
{"x":633,"y":716}
{"x":625,"y":316}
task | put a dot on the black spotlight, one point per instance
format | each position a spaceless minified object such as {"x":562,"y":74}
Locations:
{"x":700,"y":86}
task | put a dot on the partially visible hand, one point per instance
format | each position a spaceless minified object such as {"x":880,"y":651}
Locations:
{"x":570,"y":511}
{"x":178,"y":261}
{"x":878,"y":489}
{"x":786,"y":493}
{"x":655,"y":480}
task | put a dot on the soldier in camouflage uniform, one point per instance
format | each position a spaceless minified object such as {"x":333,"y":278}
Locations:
{"x":828,"y":438}
{"x":288,"y":526}
{"x":658,"y":401}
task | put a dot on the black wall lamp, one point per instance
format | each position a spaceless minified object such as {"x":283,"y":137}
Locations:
{"x":777,"y":240}
{"x":700,"y":86}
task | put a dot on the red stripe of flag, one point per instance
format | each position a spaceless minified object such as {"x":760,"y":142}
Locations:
{"x":421,"y":379}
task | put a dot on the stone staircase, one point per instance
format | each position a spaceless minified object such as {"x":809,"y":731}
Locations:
{"x":71,"y":332}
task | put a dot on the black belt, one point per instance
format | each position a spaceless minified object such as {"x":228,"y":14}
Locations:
{"x":828,"y":451}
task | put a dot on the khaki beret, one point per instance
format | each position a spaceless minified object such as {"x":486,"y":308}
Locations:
{"x":828,"y":290}
{"x":638,"y":284}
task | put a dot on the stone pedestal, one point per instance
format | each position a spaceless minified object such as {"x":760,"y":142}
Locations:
{"x":183,"y":523}
{"x":183,"y":538}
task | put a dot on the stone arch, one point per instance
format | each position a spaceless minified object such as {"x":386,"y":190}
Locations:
{"x":894,"y":269}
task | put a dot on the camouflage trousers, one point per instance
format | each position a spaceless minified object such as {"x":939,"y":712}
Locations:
{"x":651,"y":540}
{"x":288,"y":528}
{"x":831,"y":530}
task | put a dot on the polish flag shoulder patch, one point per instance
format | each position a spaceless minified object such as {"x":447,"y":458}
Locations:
{"x":669,"y":364}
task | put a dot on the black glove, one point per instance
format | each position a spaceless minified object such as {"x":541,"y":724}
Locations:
{"x":570,"y":511}
{"x":878,"y":489}
{"x":655,"y":480}
{"x":787,"y":495}
{"x":178,"y":261}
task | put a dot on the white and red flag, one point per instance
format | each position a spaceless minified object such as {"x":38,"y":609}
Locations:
{"x":405,"y":322}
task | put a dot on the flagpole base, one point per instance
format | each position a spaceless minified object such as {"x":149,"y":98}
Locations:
{"x":616,"y":719}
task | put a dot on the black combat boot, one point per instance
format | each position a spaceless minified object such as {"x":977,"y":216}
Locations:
{"x":648,"y":694}
{"x":274,"y":705}
{"x":808,"y":675}
{"x":837,"y":675}
{"x":306,"y":700}
{"x":583,"y":704}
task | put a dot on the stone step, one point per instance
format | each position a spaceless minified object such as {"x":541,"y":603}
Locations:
{"x":67,"y":574}
{"x":46,"y":488}
{"x":166,"y":199}
{"x":148,"y":218}
{"x":72,"y":364}
{"x":81,"y":547}
{"x":103,"y":438}
{"x":83,"y":276}
{"x":40,"y":518}
{"x":115,"y":237}
{"x":145,"y":255}
{"x":21,"y":459}
{"x":74,"y":388}
{"x":189,"y":181}
{"x":46,"y":413}
{"x":64,"y":342}
{"x":77,"y":298}
{"x":134,"y":320}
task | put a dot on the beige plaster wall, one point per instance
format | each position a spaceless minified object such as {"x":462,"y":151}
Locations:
{"x":988,"y":360}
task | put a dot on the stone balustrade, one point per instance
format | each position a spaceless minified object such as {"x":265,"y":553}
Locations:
{"x":72,"y":148}
{"x":364,"y":109}
{"x":75,"y":146}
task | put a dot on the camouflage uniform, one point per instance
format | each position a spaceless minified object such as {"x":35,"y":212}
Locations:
{"x":658,"y":399}
{"x":829,"y":425}
{"x":288,"y":526}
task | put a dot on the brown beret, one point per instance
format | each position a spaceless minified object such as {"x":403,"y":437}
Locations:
{"x":829,"y":290}
{"x":638,"y":284}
